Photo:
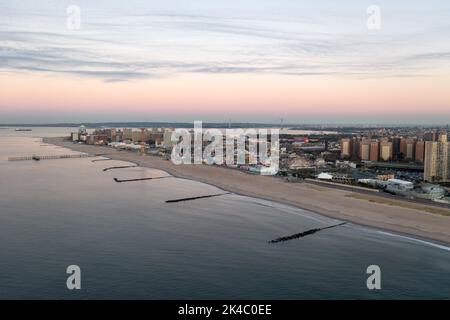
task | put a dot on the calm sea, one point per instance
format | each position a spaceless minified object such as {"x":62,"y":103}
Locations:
{"x":131,"y":244}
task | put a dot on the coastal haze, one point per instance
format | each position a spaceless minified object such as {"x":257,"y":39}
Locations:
{"x":130,"y":243}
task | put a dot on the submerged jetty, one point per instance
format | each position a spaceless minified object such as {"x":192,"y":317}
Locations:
{"x":304,"y":234}
{"x":98,"y":160}
{"x":139,"y":179}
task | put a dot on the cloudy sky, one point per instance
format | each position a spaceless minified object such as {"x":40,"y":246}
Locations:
{"x":214,"y":60}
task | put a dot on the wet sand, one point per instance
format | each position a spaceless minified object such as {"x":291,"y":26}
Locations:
{"x":369,"y":210}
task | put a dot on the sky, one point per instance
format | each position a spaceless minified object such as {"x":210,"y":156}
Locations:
{"x":220,"y":60}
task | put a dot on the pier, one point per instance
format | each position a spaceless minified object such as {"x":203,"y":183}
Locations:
{"x":61,"y":156}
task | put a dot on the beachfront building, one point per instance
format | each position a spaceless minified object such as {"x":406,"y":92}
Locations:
{"x":365,"y":150}
{"x":407,"y":149}
{"x":325,"y":176}
{"x":437,"y":160}
{"x":386,"y":150}
{"x":346,"y":147}
{"x":420,"y":151}
{"x":374,"y":150}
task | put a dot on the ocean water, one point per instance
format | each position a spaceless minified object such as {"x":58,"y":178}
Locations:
{"x":131,"y":244}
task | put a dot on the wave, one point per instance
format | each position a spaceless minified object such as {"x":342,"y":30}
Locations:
{"x":416,"y":240}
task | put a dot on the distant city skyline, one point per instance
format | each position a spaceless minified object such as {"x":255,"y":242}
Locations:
{"x":248,"y":61}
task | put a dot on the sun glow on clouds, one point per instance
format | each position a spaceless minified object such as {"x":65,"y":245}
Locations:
{"x":272,"y":58}
{"x":226,"y":93}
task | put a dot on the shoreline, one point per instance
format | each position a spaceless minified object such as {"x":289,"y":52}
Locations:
{"x":396,"y":215}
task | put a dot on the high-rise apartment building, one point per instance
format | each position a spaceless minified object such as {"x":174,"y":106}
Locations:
{"x":396,"y":148}
{"x":364,"y":152}
{"x":437,"y":160}
{"x":407,"y":149}
{"x":420,"y":151}
{"x":346,"y":147}
{"x":350,"y":148}
{"x":127,"y":134}
{"x":355,"y":148}
{"x":374,"y":150}
{"x":430,"y":136}
{"x":386,"y":150}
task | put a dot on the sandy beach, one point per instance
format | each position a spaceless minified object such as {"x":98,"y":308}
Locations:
{"x":397,"y":215}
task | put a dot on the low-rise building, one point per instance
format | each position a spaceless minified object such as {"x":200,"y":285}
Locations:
{"x":398,"y":186}
{"x":325,"y":176}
